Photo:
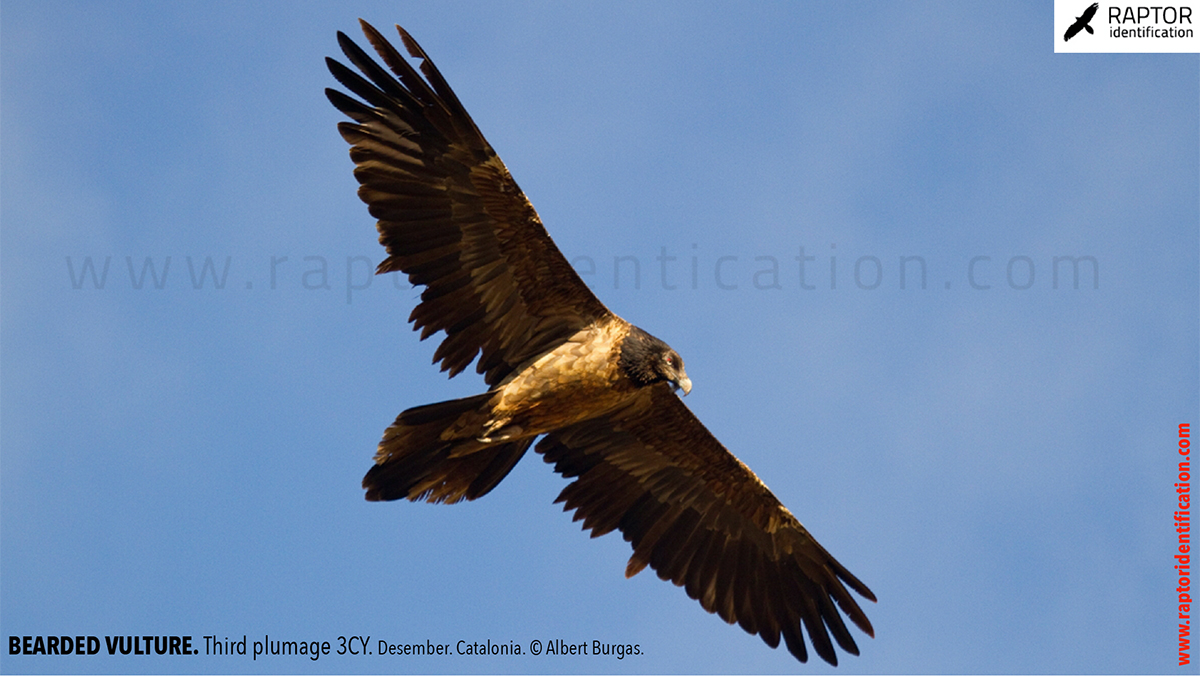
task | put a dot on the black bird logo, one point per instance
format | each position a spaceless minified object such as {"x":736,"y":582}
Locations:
{"x":1081,"y":22}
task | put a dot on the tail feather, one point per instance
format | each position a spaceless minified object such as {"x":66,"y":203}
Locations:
{"x":414,"y":461}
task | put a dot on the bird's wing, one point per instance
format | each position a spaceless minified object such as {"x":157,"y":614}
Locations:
{"x":452,"y":218}
{"x":699,"y":517}
{"x":1072,"y":30}
{"x":1089,"y":12}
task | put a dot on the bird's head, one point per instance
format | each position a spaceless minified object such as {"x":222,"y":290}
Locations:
{"x":647,"y":360}
{"x":670,"y":367}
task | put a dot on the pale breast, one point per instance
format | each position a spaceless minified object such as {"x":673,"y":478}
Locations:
{"x":578,"y":380}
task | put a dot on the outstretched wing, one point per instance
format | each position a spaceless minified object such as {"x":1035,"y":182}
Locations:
{"x":699,"y":517}
{"x":452,"y":218}
{"x":1089,"y":12}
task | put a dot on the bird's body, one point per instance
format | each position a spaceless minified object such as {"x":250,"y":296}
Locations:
{"x":598,"y":392}
{"x":544,"y":396}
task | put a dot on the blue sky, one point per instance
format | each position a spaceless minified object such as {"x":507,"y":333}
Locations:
{"x":995,"y":463}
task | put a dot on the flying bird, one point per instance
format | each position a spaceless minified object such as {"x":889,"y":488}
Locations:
{"x":1081,"y":22}
{"x":600,"y":393}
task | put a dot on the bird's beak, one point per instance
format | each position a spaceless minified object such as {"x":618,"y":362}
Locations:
{"x":684,"y":383}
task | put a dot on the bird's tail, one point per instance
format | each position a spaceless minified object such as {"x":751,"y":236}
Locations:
{"x":417,"y":462}
{"x":1089,"y":29}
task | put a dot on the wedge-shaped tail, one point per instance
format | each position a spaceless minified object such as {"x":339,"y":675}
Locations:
{"x":430,"y":454}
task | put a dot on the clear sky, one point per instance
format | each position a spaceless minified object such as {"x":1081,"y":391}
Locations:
{"x":988,"y":447}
